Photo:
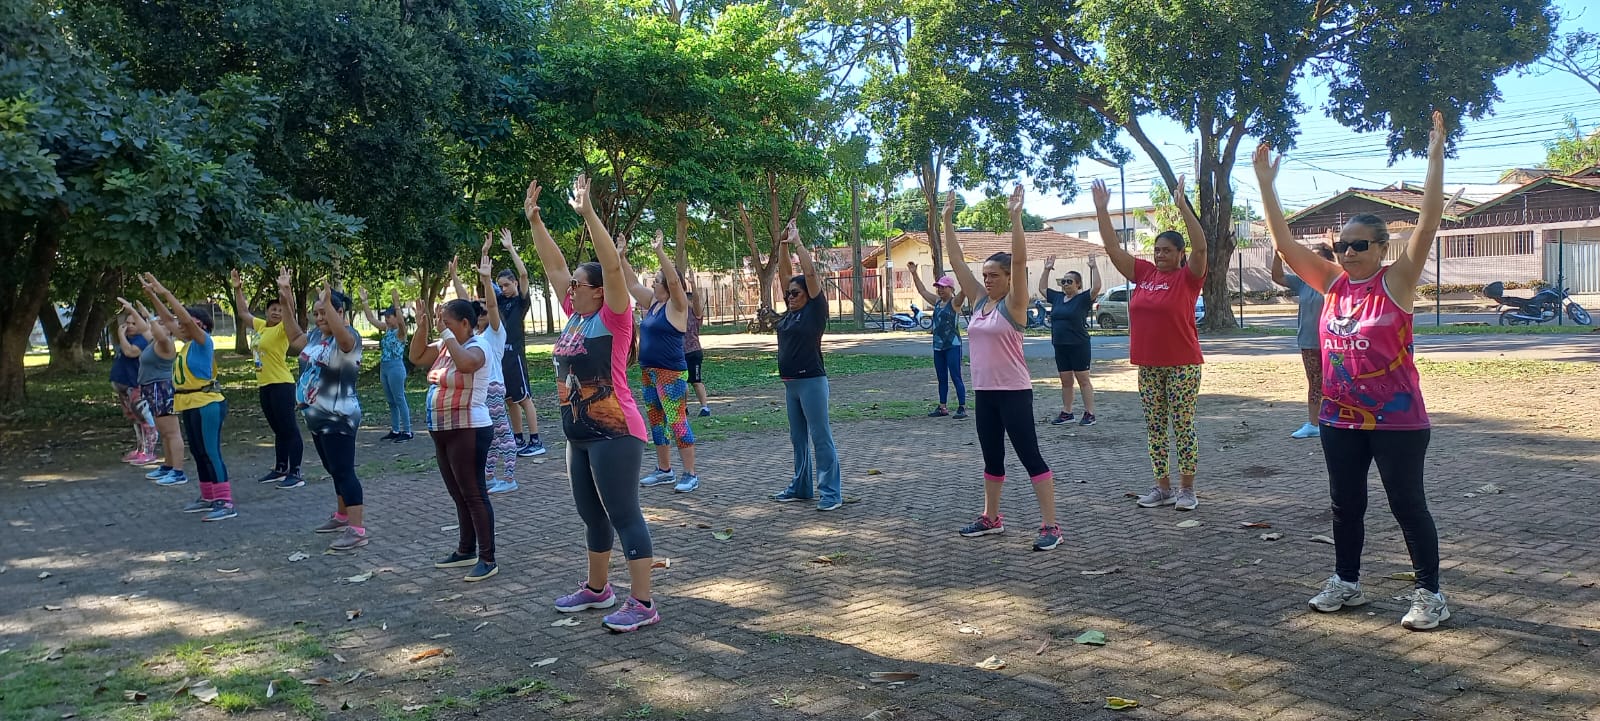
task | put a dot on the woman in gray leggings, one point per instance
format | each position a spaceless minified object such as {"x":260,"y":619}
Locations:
{"x":605,"y":433}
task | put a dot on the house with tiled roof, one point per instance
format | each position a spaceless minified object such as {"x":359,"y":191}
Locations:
{"x":890,"y":262}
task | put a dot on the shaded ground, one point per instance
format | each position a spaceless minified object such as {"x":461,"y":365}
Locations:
{"x":1206,"y":623}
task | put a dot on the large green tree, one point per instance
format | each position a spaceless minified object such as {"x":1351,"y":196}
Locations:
{"x":991,"y":215}
{"x":1069,"y":75}
{"x":1574,"y":149}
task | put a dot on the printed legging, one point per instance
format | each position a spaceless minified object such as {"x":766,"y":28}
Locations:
{"x":504,"y":446}
{"x":665,"y":400}
{"x":1168,"y":394}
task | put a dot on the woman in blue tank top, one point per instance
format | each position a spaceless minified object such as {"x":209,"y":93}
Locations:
{"x":661,"y":368}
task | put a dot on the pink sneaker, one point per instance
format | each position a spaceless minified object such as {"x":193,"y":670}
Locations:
{"x":585,"y":599}
{"x":144,"y":459}
{"x":631,"y":617}
{"x":131,"y":455}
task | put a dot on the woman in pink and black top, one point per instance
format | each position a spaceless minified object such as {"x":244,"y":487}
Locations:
{"x":605,"y":433}
{"x":1163,"y":344}
{"x":1372,"y":409}
{"x":1002,"y":386}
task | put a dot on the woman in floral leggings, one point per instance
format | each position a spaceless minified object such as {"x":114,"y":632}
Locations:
{"x":1163,"y":344}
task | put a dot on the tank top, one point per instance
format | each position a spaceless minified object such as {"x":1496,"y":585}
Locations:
{"x":691,"y":339}
{"x":152,"y":367}
{"x":1369,"y":374}
{"x":660,"y":344}
{"x":194,"y":378}
{"x":946,"y":332}
{"x":995,"y":344}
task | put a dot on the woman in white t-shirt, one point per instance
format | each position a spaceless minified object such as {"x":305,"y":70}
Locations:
{"x":504,"y":447}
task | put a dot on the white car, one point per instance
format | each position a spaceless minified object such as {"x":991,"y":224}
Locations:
{"x":1111,"y":308}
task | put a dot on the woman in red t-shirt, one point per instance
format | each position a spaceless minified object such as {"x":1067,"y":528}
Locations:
{"x":1163,"y":344}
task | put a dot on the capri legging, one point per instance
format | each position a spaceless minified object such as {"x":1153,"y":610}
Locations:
{"x":666,"y":406}
{"x":202,"y":433}
{"x":605,"y":487}
{"x":1008,"y":413}
{"x":461,"y":453}
{"x":1168,"y":394}
{"x":277,"y":404}
{"x":504,"y":446}
{"x":338,"y":454}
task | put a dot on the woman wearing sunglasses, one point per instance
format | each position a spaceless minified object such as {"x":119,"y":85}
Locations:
{"x":605,"y":433}
{"x":1163,"y":344}
{"x":1372,"y":408}
{"x":1069,"y":334}
{"x":1002,"y":385}
{"x":805,"y":381}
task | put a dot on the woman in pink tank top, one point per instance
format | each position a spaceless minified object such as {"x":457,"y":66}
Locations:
{"x":1002,"y":386}
{"x":1372,"y":409}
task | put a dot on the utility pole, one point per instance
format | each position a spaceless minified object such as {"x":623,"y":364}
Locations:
{"x":888,"y":245}
{"x":855,"y":249}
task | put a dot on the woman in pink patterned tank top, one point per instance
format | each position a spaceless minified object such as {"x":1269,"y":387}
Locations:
{"x":1372,"y":408}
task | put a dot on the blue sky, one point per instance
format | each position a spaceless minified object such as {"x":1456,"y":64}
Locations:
{"x":1531,"y":112}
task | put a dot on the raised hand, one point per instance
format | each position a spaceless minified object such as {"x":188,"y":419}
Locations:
{"x":1102,"y":194}
{"x":362,"y":293}
{"x":1266,"y":165}
{"x":659,"y":244}
{"x":1050,"y":262}
{"x":488,"y":242}
{"x":1436,"y":135}
{"x":791,"y":234}
{"x":485,"y":267}
{"x":505,"y":240}
{"x":580,"y":196}
{"x":949,"y":210}
{"x":451,"y":268}
{"x":530,"y":202}
{"x":233,"y":276}
{"x":285,"y":278}
{"x":1180,"y":194}
{"x":325,"y":298}
{"x":911,"y":267}
{"x":621,"y":242}
{"x":1014,"y":203}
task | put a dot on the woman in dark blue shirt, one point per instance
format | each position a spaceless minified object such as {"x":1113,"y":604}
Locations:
{"x":1069,"y":333}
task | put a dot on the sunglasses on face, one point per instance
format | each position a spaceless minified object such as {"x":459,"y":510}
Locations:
{"x":793,"y":293}
{"x":574,"y":283}
{"x":1359,"y":246}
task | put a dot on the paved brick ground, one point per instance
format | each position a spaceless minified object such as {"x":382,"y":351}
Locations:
{"x":1203,"y":623}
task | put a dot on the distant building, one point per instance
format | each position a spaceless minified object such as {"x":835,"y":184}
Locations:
{"x":1084,"y":226}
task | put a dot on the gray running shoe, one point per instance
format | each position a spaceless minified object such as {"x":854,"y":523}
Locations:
{"x":332,"y":525}
{"x":1428,"y":610}
{"x":197,"y":505}
{"x":658,"y":477}
{"x":1337,"y":594}
{"x":1157,"y":497}
{"x":349,"y":540}
{"x":1185,"y":500}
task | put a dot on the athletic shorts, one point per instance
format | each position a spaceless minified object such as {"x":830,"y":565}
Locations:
{"x":159,"y":395}
{"x":514,"y":367}
{"x":696,"y":359}
{"x":1072,"y":358}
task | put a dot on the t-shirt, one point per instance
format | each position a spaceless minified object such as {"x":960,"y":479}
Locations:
{"x":459,"y":400}
{"x":996,"y":348}
{"x":326,"y":391}
{"x":270,"y":344}
{"x":495,"y":342}
{"x":513,"y":309}
{"x":1369,"y":370}
{"x":946,"y":334}
{"x":1310,"y":313}
{"x":800,"y":340}
{"x":194,"y":375}
{"x":691,"y":337}
{"x":390,"y":347}
{"x":125,"y":370}
{"x":1161,"y":316}
{"x":591,"y":359}
{"x":660,"y":344}
{"x":1069,"y":317}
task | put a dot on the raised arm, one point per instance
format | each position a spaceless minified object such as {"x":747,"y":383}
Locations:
{"x":516,"y":261}
{"x":185,"y":321}
{"x":366,"y":309}
{"x":394,"y":303}
{"x":550,"y":256}
{"x":678,"y":302}
{"x":808,"y":267}
{"x":1196,"y":232}
{"x":1407,"y":269}
{"x":1017,"y":298}
{"x":785,"y":268}
{"x":1094,"y":278}
{"x":970,"y":287}
{"x":1277,"y":271}
{"x":342,"y":334}
{"x":1311,"y":268}
{"x":140,"y":326}
{"x":916,"y":278}
{"x":461,"y":288}
{"x":1121,"y":259}
{"x":241,"y":306}
{"x":291,"y":312}
{"x":1044,"y":277}
{"x":641,"y":295}
{"x":421,"y":352}
{"x":486,"y":277}
{"x":605,"y":249}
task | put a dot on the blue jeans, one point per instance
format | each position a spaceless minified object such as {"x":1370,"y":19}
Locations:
{"x":808,"y":429}
{"x":393,"y":374}
{"x":947,"y":363}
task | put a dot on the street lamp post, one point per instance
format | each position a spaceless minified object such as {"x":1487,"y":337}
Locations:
{"x":1122,"y":181}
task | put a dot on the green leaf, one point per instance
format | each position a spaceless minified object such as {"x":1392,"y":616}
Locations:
{"x":1091,"y":638}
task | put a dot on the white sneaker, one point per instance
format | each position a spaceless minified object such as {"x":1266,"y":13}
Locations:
{"x":1157,"y":497}
{"x":1337,"y":594}
{"x":503,"y":486}
{"x":1185,"y":500}
{"x":1428,"y":610}
{"x":1307,"y":430}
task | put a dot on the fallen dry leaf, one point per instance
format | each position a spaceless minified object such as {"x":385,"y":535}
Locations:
{"x":1248,"y":524}
{"x":661,"y":563}
{"x":874,"y":472}
{"x":352,"y":614}
{"x":204,"y":691}
{"x":49,"y":607}
{"x":339,"y":658}
{"x":430,"y":653}
{"x":43,"y":575}
{"x":1091,"y":638}
{"x":272,"y":688}
{"x":450,"y":527}
{"x":1271,"y":536}
{"x":227,"y":570}
{"x":480,"y":626}
{"x":360,"y":577}
{"x":318,"y":681}
{"x":1116,"y":703}
{"x":53,"y":653}
{"x":438,"y":636}
{"x":1319,"y":538}
{"x":413,"y":707}
{"x":970,"y":630}
{"x":543,"y":662}
{"x":1489,"y":488}
{"x":565,"y":622}
{"x":1191,"y":523}
{"x":883,"y":714}
{"x":298,"y":556}
{"x":892,"y":676}
{"x":1042,"y":647}
{"x":135,"y":696}
{"x":1100,"y":572}
{"x":992,"y":663}
{"x":723,"y":534}
{"x":448,"y":598}
{"x":702,"y":525}
{"x":354,"y":676}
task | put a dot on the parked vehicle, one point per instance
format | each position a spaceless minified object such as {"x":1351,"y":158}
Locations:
{"x":911,"y":321}
{"x":1111,"y":309}
{"x":1038,"y":314}
{"x":1544,"y":307}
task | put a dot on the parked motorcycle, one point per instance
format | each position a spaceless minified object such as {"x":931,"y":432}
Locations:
{"x":1545,"y":306}
{"x":1038,"y":314}
{"x":911,"y":321}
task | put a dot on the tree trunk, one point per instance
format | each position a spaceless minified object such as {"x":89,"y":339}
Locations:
{"x":682,"y":237}
{"x":857,"y":287}
{"x":1216,"y":217}
{"x":19,"y":305}
{"x":928,"y":179}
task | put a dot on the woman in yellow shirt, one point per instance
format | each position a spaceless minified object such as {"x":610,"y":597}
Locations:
{"x":198,"y":400}
{"x":275,"y":385}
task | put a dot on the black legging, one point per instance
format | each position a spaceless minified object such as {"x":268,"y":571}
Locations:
{"x":277,"y":404}
{"x":461,"y":454}
{"x":1399,"y":455}
{"x":338,"y":454}
{"x":606,"y":491}
{"x":1008,"y":413}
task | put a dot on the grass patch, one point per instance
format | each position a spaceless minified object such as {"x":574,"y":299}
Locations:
{"x":90,"y":679}
{"x":1551,"y":329}
{"x":1503,"y":369}
{"x":776,"y":419}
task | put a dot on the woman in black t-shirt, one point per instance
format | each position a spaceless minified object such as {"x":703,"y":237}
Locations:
{"x":805,"y":383}
{"x":1069,"y":333}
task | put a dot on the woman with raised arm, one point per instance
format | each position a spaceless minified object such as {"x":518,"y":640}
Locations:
{"x":1002,"y":386}
{"x":605,"y":433}
{"x":458,"y":422}
{"x":662,"y":363}
{"x":512,"y":295}
{"x":330,"y":364}
{"x":503,"y":450}
{"x":155,"y":388}
{"x":946,"y":340}
{"x":125,"y":382}
{"x":1309,"y":301}
{"x":198,"y":399}
{"x":1372,"y":408}
{"x":274,"y":382}
{"x":694,"y":354}
{"x":1163,"y":343}
{"x":1069,"y":335}
{"x":805,"y":381}
{"x":391,"y":324}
